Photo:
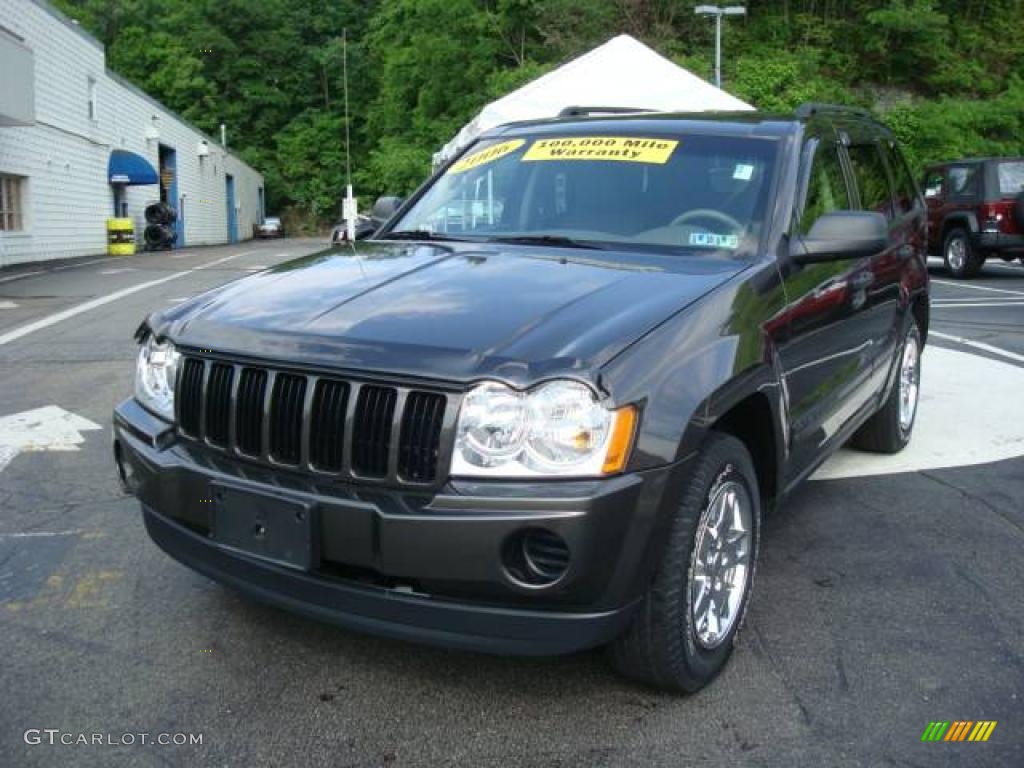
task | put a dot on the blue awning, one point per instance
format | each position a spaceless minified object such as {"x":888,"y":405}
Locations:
{"x":128,"y":168}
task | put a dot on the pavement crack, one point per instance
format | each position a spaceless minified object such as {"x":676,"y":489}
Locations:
{"x":978,"y":498}
{"x":776,"y":670}
{"x":993,"y":607}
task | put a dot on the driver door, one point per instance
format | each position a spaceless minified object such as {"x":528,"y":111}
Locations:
{"x":827,"y":348}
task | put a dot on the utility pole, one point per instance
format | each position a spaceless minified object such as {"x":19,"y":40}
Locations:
{"x":718,"y":12}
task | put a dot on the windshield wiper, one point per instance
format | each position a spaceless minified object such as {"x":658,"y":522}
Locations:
{"x":559,"y":241}
{"x":417,"y":234}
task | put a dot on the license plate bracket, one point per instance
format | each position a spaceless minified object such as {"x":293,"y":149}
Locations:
{"x":268,"y":526}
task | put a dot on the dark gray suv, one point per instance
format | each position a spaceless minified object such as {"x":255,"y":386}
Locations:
{"x":544,"y":408}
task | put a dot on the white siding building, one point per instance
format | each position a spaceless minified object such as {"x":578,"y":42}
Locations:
{"x":63,"y":114}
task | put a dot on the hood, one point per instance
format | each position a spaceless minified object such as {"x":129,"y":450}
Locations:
{"x":453,"y":312}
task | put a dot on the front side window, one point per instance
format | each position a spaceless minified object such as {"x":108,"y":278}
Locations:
{"x":933,"y":181}
{"x":871,"y":177}
{"x":826,"y":188}
{"x":1011,"y":178}
{"x":690,"y":191}
{"x":11,"y":205}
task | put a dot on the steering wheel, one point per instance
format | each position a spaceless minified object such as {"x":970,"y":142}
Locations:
{"x":707,"y":213}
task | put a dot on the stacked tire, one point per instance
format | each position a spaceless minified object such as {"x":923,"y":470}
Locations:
{"x":160,"y":233}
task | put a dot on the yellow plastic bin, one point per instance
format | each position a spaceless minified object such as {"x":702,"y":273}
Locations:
{"x":120,"y":237}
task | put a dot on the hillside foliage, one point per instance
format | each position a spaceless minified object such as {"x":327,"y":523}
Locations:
{"x":947,"y":75}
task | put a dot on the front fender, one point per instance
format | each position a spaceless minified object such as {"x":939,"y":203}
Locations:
{"x":692,"y":370}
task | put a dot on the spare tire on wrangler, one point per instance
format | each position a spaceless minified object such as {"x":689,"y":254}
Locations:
{"x":1018,"y":211}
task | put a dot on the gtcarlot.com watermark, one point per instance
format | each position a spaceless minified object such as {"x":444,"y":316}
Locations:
{"x":55,"y":736}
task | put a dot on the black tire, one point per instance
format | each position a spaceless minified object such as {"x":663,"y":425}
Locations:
{"x":883,"y":432}
{"x":660,"y":648}
{"x":972,"y":260}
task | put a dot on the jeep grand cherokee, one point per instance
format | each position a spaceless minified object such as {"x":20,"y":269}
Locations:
{"x":545,"y":407}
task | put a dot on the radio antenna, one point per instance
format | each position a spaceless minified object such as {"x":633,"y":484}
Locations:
{"x":349,"y":206}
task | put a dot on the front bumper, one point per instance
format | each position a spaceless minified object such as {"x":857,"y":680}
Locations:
{"x":424,"y":568}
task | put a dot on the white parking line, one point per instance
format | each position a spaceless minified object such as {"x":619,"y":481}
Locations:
{"x":19,"y":276}
{"x":83,"y":263}
{"x":961,"y":300}
{"x":972,"y":287}
{"x":78,"y":309}
{"x":8,"y":305}
{"x":38,"y":534}
{"x":969,"y":304}
{"x":979,"y":345}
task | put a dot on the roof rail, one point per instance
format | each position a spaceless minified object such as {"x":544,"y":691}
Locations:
{"x":584,"y":111}
{"x":812,"y":108}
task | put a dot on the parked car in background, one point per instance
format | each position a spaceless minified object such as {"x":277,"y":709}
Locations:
{"x":544,"y":408}
{"x":975,"y":211}
{"x":271,"y":226}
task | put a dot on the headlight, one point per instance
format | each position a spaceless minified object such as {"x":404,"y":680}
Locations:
{"x":155,"y":374}
{"x":557,"y":429}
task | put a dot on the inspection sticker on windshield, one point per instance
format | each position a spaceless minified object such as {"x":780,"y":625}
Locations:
{"x":631,"y":149}
{"x":743,"y":172}
{"x":488,"y":155}
{"x":711,"y":240}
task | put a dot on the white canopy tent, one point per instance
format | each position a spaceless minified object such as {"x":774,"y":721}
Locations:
{"x":622,"y":73}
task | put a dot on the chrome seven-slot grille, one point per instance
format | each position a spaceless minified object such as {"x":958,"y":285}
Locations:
{"x":312,"y":422}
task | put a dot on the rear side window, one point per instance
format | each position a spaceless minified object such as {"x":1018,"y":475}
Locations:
{"x":963,"y":181}
{"x":933,"y":183}
{"x":826,"y":189}
{"x":906,"y":191}
{"x":872,"y":179}
{"x":1011,"y":178}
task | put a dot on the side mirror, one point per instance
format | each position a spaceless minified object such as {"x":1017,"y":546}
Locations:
{"x":842,"y":235}
{"x":385,"y":208}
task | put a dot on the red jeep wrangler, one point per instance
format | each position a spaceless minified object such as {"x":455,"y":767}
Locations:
{"x":975,"y":210}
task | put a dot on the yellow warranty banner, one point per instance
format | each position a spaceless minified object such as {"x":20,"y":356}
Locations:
{"x":484,"y":156}
{"x":629,"y":149}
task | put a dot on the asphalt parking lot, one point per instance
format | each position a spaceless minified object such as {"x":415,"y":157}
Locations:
{"x":883,"y":601}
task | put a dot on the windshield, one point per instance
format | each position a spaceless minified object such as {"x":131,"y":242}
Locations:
{"x":1011,"y":178}
{"x":272,"y":220}
{"x":695,"y":192}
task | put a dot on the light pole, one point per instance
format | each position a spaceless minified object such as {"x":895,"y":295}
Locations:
{"x":718,"y":13}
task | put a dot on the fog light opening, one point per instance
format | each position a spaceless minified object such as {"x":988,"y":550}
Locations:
{"x":536,"y":557}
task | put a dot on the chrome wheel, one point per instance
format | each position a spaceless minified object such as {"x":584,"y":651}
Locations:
{"x":721,"y":564}
{"x":909,"y":381}
{"x":956,"y":253}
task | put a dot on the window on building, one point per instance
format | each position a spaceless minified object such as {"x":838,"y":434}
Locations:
{"x":11,"y":204}
{"x":826,"y":189}
{"x":872,"y":178}
{"x":92,"y":99}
